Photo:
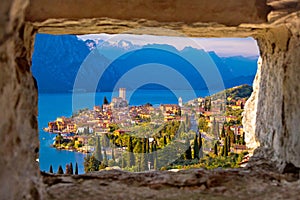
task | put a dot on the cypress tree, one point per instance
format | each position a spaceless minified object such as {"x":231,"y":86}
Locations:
{"x":145,"y":153}
{"x":105,"y":141}
{"x":148,"y":157}
{"x":223,"y":151}
{"x":218,"y":129}
{"x":51,"y":169}
{"x":138,"y":162}
{"x":76,"y":168}
{"x":105,"y":101}
{"x":138,"y":150}
{"x":216,"y":149}
{"x":215,"y":128}
{"x":130,"y":161}
{"x":123,"y":161}
{"x":243,"y":139}
{"x":98,"y":151}
{"x":223,"y":132}
{"x":226,"y":146}
{"x":143,"y":162}
{"x":200,"y":146}
{"x":234,"y":140}
{"x":165,"y":140}
{"x":209,"y":104}
{"x":113,"y":153}
{"x":71,"y":168}
{"x":188,"y":152}
{"x":155,"y":157}
{"x":60,"y":170}
{"x":196,"y":147}
{"x":105,"y":162}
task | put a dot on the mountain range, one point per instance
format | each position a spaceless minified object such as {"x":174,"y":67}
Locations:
{"x":60,"y":61}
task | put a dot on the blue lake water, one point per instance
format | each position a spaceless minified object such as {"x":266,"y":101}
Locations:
{"x":52,"y":106}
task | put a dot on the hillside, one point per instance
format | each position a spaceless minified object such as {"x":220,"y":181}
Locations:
{"x":237,"y":92}
{"x":243,"y":91}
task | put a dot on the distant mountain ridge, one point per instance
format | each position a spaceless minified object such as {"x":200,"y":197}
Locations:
{"x":57,"y":60}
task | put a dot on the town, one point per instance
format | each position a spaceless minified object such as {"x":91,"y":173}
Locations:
{"x":208,"y":127}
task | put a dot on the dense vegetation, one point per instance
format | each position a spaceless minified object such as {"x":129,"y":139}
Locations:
{"x":243,"y":91}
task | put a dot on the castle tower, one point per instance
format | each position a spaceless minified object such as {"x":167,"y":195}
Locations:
{"x":122,"y":93}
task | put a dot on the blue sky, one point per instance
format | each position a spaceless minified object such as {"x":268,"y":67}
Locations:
{"x":222,"y":46}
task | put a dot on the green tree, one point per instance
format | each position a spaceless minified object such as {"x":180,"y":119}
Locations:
{"x":223,"y":132}
{"x":105,"y":161}
{"x":196,"y":147}
{"x":155,"y":156}
{"x":138,"y":149}
{"x":60,"y":170}
{"x":71,"y":168}
{"x":225,"y":146}
{"x":105,"y":101}
{"x":143,"y":164}
{"x":98,"y":152}
{"x":130,"y":147}
{"x":147,"y":145}
{"x":91,"y":163}
{"x":209,"y":104}
{"x":144,"y":154}
{"x":105,"y":140}
{"x":228,"y":144}
{"x":188,"y":152}
{"x":51,"y":169}
{"x":202,"y":124}
{"x":113,"y":153}
{"x":231,"y":136}
{"x":223,"y":151}
{"x":243,"y":139}
{"x":216,"y":149}
{"x":214,"y":130}
{"x":165,"y":140}
{"x":76,"y":168}
{"x":200,"y":146}
{"x":122,"y":161}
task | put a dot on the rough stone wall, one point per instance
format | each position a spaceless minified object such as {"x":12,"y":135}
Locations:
{"x":19,"y":172}
{"x":250,"y":111}
{"x":273,"y":106}
{"x":272,"y":113}
{"x":236,"y":12}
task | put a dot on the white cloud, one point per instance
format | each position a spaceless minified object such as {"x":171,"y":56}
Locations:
{"x":222,"y":46}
